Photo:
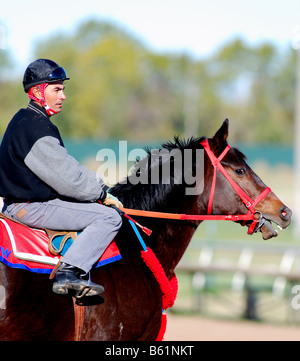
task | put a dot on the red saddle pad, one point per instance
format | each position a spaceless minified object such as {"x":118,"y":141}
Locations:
{"x":27,"y":248}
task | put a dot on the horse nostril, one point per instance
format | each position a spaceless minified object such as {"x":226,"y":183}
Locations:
{"x":285,"y":213}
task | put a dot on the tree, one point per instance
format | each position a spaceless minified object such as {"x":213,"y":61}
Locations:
{"x":121,"y":89}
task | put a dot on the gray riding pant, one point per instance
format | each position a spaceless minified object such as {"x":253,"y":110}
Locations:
{"x":99,"y":225}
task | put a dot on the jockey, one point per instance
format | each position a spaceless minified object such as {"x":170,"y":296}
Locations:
{"x":44,"y":187}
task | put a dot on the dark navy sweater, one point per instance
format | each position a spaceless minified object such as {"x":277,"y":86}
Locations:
{"x":35,"y":166}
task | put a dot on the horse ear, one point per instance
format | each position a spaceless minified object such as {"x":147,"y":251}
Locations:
{"x":221,"y":135}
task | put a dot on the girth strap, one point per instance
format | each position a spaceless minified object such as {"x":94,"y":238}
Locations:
{"x":79,"y":312}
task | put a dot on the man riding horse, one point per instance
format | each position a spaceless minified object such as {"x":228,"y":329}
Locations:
{"x":44,"y":187}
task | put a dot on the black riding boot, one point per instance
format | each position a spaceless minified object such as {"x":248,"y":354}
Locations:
{"x":68,"y":277}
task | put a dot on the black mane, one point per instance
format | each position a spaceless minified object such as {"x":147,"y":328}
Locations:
{"x":155,"y":196}
{"x":152,"y":196}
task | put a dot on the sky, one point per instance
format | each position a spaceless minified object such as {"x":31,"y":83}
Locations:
{"x":198,"y":27}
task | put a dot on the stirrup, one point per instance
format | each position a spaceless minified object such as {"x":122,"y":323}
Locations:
{"x":89,"y":289}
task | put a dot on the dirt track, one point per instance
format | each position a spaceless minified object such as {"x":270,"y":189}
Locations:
{"x":186,"y":328}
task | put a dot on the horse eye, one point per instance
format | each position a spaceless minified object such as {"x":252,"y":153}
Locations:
{"x":240,"y":171}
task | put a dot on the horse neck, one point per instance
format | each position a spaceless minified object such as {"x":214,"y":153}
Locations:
{"x":172,"y":237}
{"x":172,"y":243}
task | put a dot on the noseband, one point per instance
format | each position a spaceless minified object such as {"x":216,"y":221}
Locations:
{"x":247,"y":200}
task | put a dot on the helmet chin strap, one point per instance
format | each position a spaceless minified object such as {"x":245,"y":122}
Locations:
{"x":42,"y":101}
{"x":49,"y":111}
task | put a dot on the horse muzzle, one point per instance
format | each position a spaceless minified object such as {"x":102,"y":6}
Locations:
{"x":282,"y":219}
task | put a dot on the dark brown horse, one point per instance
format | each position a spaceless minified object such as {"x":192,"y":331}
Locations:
{"x":131,"y":306}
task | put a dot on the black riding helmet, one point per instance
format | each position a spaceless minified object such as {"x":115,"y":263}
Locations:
{"x":43,"y":71}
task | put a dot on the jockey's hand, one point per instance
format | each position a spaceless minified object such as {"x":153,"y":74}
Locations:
{"x":112,"y":200}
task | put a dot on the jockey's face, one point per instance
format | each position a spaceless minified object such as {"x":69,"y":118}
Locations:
{"x":54,"y":96}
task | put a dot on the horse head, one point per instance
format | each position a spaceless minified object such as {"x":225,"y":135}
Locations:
{"x":230,"y":186}
{"x":227,"y":199}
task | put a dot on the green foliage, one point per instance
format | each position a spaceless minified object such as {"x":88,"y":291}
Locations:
{"x":119,"y":88}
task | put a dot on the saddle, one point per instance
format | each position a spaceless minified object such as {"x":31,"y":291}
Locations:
{"x":40,"y":250}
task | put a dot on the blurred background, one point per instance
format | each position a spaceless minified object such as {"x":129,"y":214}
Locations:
{"x":146,"y":71}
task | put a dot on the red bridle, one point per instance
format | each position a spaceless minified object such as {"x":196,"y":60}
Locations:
{"x":247,"y":200}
